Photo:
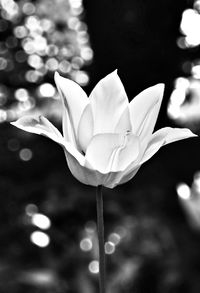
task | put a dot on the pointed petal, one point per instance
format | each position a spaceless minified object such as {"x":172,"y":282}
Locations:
{"x":41,"y":125}
{"x":38,"y":125}
{"x":85,"y":128}
{"x":108,"y":100}
{"x":74,"y":101}
{"x":164,"y":136}
{"x":124,"y":123}
{"x":111,"y":152}
{"x":144,"y":109}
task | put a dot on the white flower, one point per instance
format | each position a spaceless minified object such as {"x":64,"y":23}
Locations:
{"x":105,"y":138}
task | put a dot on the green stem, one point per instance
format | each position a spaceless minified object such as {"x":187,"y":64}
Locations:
{"x":100,"y":226}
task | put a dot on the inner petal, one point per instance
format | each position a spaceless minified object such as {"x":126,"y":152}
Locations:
{"x":85,"y":128}
{"x":124,"y":123}
{"x":127,"y":153}
{"x":145,"y":104}
{"x":108,"y":100}
{"x":112,"y":152}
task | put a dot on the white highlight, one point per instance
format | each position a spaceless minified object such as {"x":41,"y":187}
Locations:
{"x":41,"y":221}
{"x":190,"y":26}
{"x":40,"y":239}
{"x":47,"y":90}
{"x":183,"y":191}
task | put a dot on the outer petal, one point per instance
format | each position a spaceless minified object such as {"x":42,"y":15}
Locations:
{"x":164,"y":136}
{"x":128,"y":175}
{"x":85,"y":128}
{"x":94,"y":178}
{"x":144,"y":109}
{"x":76,"y":162}
{"x":42,"y":126}
{"x":74,"y":101}
{"x":111,"y":152}
{"x":84,"y":173}
{"x":38,"y":125}
{"x":108,"y":100}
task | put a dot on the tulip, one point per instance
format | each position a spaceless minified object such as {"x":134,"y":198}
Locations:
{"x":105,"y":138}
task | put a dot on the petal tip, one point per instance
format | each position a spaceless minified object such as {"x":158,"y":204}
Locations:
{"x":56,"y":76}
{"x":14,"y":123}
{"x":160,"y":87}
{"x":17,"y":123}
{"x":114,"y":73}
{"x":158,"y":90}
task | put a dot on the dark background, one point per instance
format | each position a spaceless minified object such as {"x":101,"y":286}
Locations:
{"x":160,"y":252}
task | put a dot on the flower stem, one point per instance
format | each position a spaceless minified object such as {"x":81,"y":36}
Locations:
{"x":100,"y":226}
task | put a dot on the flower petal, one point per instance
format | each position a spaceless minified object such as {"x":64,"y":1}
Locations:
{"x":124,"y":123}
{"x":78,"y":166}
{"x":38,"y":125}
{"x":128,"y":174}
{"x":144,"y":109}
{"x":127,"y":153}
{"x":85,"y":128}
{"x":100,"y":150}
{"x":164,"y":136}
{"x":41,"y":125}
{"x":108,"y":100}
{"x":83,"y":173}
{"x":92,"y":177}
{"x":74,"y":101}
{"x":110,"y":152}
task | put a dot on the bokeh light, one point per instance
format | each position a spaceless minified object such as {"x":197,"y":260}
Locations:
{"x":109,"y":247}
{"x":196,"y":181}
{"x":31,"y":209}
{"x":25,"y":154}
{"x":184,"y":103}
{"x":183,"y":191}
{"x":40,"y":239}
{"x":41,"y":221}
{"x":94,"y":267}
{"x":13,"y":144}
{"x":190,"y":27}
{"x":114,"y":238}
{"x":42,"y":42}
{"x":47,"y":90}
{"x":86,"y":244}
